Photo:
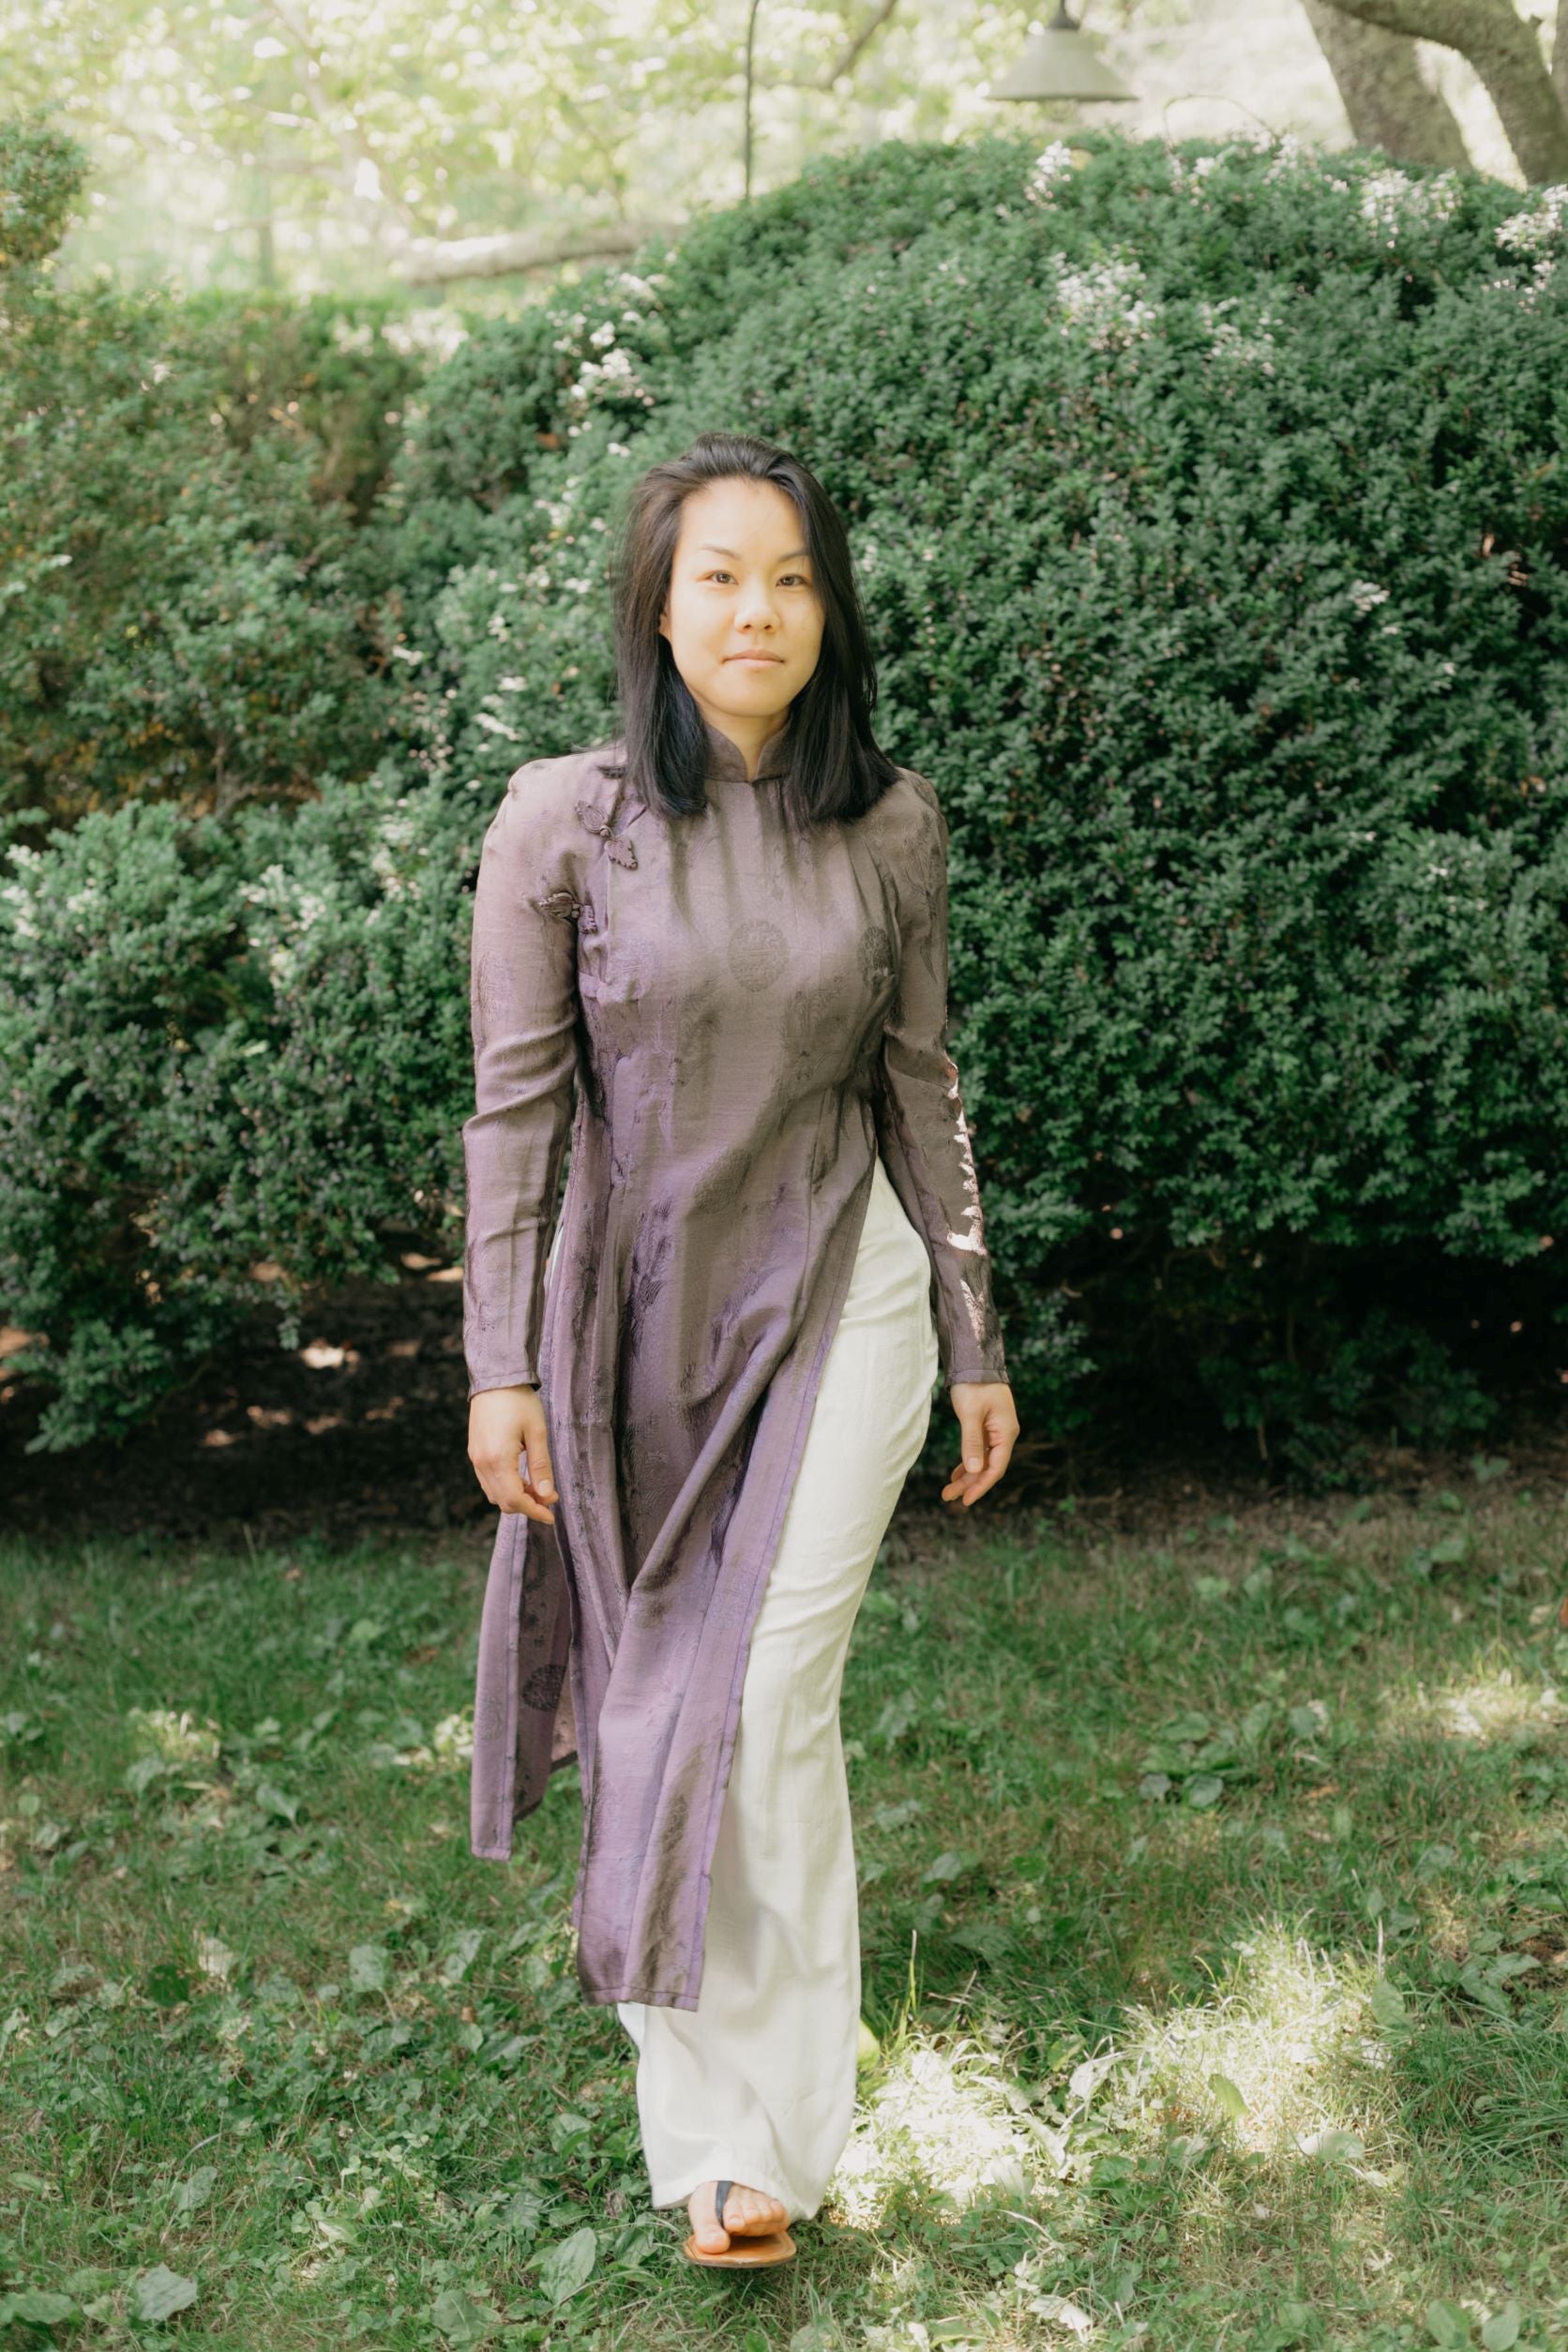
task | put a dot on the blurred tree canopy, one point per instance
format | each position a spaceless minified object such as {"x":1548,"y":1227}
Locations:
{"x":357,"y":144}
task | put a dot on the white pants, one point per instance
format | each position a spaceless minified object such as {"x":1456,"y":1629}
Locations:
{"x":757,"y":2082}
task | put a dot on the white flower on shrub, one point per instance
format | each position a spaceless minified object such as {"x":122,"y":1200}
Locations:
{"x":1290,"y":156}
{"x":394,"y":833}
{"x":1052,"y":165}
{"x":435,"y":330}
{"x":615,"y":372}
{"x":1390,"y":199}
{"x":1526,"y":231}
{"x":1104,"y":298}
{"x":1364,"y":594}
{"x":1190,"y":177}
{"x":1228,"y":341}
{"x":285,"y":910}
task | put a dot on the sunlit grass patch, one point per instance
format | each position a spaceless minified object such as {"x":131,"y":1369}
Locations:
{"x":1482,"y":1708}
{"x":935,"y":2117}
{"x":1276,"y":2063}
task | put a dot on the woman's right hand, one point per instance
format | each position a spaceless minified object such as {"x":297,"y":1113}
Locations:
{"x":502,"y":1423}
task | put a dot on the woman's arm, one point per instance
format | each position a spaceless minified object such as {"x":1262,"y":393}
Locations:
{"x":524,"y":1006}
{"x":925,"y":1138}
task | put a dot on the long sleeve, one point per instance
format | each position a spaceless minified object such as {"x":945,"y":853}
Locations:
{"x":523,"y":1004}
{"x":923,"y":1132}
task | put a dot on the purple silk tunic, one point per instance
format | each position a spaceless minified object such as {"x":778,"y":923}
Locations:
{"x":743,"y":1017}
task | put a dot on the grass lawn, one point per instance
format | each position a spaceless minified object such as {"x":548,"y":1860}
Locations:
{"x":1216,"y":1932}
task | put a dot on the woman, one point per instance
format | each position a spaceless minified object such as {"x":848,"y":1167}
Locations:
{"x":716,"y":949}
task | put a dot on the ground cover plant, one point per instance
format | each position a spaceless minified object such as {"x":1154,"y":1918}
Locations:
{"x":1216,"y":1932}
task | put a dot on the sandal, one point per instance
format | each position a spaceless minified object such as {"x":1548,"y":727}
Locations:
{"x":741,"y":2253}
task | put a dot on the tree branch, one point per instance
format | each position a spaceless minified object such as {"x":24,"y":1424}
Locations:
{"x":854,"y":49}
{"x":435,"y":261}
{"x":843,"y":65}
{"x":1506,"y":55}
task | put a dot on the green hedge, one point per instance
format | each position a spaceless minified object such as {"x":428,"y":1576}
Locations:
{"x":193,"y":610}
{"x":1211,"y":514}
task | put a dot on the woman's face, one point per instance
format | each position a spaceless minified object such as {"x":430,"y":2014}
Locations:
{"x":741,"y":586}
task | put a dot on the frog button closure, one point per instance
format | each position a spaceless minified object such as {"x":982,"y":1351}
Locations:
{"x":616,"y":846}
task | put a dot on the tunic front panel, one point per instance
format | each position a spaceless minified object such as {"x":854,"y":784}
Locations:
{"x":731,"y":1017}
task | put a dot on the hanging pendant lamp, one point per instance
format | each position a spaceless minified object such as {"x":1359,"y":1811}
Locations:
{"x":1060,"y":62}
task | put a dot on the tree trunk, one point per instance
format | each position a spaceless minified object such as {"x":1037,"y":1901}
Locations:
{"x":1506,"y":54}
{"x":1385,"y":94}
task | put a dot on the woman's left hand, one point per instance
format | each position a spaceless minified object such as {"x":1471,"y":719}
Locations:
{"x":987,"y":1426}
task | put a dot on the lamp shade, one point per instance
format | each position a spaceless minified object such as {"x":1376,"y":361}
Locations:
{"x":1061,"y":62}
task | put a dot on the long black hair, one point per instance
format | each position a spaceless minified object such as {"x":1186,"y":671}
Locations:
{"x":831,"y":762}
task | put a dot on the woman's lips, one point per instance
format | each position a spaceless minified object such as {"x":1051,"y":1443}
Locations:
{"x":759,"y":659}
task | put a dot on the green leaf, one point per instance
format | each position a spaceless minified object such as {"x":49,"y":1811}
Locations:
{"x":463,"y":2318}
{"x":522,"y":2212}
{"x":460,"y":1955}
{"x":568,"y":2128}
{"x":38,"y":2306}
{"x":950,"y":1866}
{"x":1331,"y":2147}
{"x":569,"y":2265}
{"x":367,"y":1968}
{"x":1388,"y":2008}
{"x":158,"y":2294}
{"x":1486,"y":1995}
{"x":276,"y":1801}
{"x":1447,"y":2325}
{"x":189,"y":2194}
{"x":1501,"y":2332}
{"x":1204,"y":1789}
{"x":1184,"y":1730}
{"x":1227,"y":2097}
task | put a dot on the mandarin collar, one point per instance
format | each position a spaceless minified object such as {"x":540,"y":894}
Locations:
{"x":726,"y":762}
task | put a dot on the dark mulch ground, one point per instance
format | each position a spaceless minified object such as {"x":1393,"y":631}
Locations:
{"x":365,"y":1426}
